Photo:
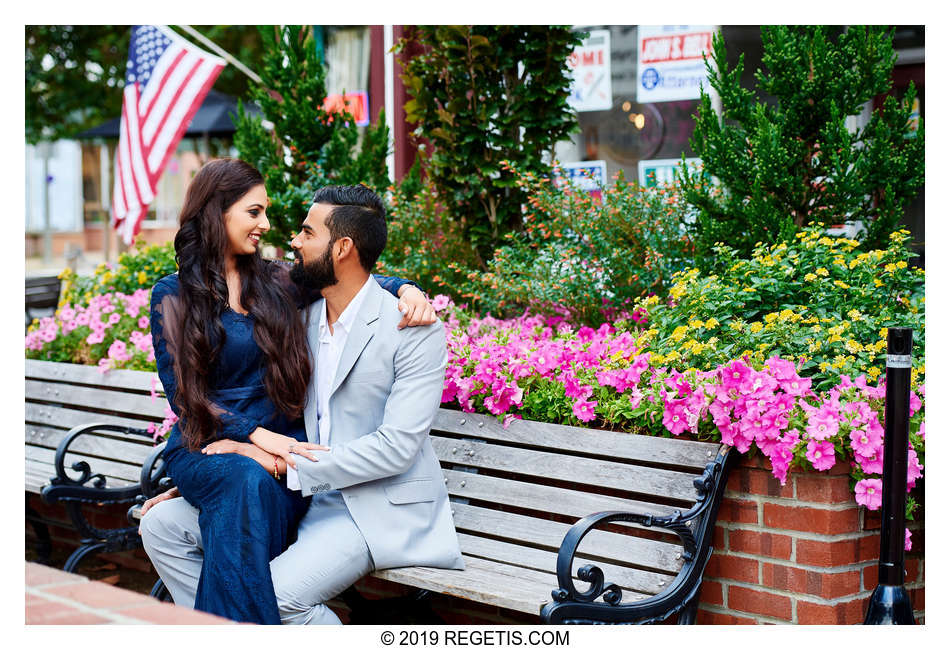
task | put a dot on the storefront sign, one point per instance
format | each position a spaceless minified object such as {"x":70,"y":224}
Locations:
{"x":590,"y":66}
{"x":671,"y":65}
{"x":588,"y":176}
{"x":356,"y":104}
{"x":651,"y":173}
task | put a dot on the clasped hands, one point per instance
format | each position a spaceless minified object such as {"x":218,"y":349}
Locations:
{"x":266,"y":447}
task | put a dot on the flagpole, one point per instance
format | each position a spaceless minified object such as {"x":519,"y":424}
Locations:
{"x":220,"y":52}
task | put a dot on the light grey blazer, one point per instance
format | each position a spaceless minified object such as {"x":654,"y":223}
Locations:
{"x":384,"y":397}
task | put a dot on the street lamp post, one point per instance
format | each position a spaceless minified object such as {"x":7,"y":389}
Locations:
{"x":890,"y":604}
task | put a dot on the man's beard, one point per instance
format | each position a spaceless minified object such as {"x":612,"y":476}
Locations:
{"x":318,"y":274}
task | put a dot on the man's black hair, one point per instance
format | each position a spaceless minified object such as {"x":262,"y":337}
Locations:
{"x":358,"y":213}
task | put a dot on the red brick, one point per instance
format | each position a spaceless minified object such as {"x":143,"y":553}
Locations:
{"x":38,"y":575}
{"x":872,"y":519}
{"x":74,"y":617}
{"x":914,"y":568}
{"x":758,"y":481}
{"x":98,"y":594}
{"x":739,"y":511}
{"x":761,"y":543}
{"x":754,"y":601}
{"x":719,"y":537}
{"x":813,"y":520}
{"x":705,"y":617}
{"x":168,"y":614}
{"x":711,"y":593}
{"x":847,"y":613}
{"x":730,"y":567}
{"x":823,"y":489}
{"x":917,"y":598}
{"x":839,"y":553}
{"x":815,"y":583}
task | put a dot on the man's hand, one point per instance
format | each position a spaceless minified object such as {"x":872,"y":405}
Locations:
{"x":266,"y":460}
{"x":164,"y":496}
{"x":283,"y":446}
{"x":414,"y":307}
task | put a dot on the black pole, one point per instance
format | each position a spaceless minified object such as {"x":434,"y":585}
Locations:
{"x":890,"y":604}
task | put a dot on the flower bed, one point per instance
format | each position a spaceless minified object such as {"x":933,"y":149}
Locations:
{"x":544,"y":369}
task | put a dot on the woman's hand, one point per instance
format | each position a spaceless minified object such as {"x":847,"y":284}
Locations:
{"x":164,"y":496}
{"x":266,"y":460}
{"x":414,"y":307}
{"x":283,"y":446}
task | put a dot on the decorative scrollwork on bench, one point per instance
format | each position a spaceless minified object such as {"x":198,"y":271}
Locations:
{"x":694,"y":531}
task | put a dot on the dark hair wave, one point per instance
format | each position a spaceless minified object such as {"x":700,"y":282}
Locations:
{"x":201,"y":246}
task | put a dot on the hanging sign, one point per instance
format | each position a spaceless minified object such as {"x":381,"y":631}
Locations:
{"x":670,"y":61}
{"x":590,"y":67}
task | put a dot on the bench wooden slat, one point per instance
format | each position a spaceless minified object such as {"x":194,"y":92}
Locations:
{"x":484,"y":581}
{"x":613,"y":547}
{"x":542,"y":497}
{"x":546,"y":562}
{"x":37,"y":474}
{"x":124,"y":472}
{"x":67,"y":418}
{"x":633,"y":478}
{"x":94,"y":398}
{"x":128,"y":449}
{"x":666,"y":451}
{"x":90,"y":375}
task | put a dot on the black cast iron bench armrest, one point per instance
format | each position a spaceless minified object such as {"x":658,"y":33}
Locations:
{"x":152,"y":482}
{"x":694,"y":529}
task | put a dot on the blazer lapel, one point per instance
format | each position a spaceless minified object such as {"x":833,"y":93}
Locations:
{"x":363,"y":329}
{"x":313,"y":342}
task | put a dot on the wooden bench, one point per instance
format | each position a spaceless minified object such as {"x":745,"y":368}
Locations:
{"x":523,"y":500}
{"x":86,"y":444}
{"x":42,"y":293}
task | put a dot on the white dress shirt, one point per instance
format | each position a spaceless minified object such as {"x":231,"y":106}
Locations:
{"x":332,"y":341}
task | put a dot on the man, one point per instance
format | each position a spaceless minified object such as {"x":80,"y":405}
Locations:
{"x":379,"y":500}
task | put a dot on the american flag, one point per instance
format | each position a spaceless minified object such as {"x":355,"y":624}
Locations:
{"x":167,"y":78}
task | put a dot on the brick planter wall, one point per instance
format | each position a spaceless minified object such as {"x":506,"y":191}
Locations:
{"x":802,"y":553}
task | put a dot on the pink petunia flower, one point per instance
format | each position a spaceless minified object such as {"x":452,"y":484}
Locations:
{"x":869,"y":492}
{"x":584,"y":410}
{"x":821,"y":454}
{"x":907,"y":543}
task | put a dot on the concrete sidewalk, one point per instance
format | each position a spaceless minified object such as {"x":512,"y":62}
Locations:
{"x":54,"y":597}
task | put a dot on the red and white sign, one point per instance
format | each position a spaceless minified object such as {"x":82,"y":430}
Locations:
{"x":590,"y":66}
{"x":671,"y":65}
{"x":356,"y":104}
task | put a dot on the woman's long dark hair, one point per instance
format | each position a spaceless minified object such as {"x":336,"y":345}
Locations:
{"x":201,"y":247}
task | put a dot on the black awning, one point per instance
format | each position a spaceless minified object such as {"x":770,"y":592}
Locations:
{"x":212,"y":118}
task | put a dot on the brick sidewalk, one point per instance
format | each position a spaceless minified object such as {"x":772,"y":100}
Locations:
{"x":54,"y":597}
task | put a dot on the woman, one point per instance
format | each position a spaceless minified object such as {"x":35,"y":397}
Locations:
{"x":232,"y":355}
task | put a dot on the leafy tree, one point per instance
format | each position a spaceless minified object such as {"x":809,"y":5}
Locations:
{"x":483,"y":95}
{"x":68,"y":65}
{"x":783,"y":164}
{"x":306,"y":146}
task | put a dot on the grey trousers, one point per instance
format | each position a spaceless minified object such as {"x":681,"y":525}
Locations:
{"x":329,"y":555}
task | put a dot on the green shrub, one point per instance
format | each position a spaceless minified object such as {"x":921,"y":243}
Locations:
{"x":784,"y":163}
{"x":581,"y":256}
{"x":820,"y":301}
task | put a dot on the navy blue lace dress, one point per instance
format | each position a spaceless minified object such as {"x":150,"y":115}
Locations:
{"x":246,"y":516}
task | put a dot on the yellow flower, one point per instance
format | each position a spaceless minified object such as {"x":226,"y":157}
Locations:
{"x":652,"y":300}
{"x":878,"y":283}
{"x":902,"y":264}
{"x":822,"y":271}
{"x":678,"y":290}
{"x":749,"y":290}
{"x":810,"y":277}
{"x":827,"y":241}
{"x":834,"y":338}
{"x":853,"y":346}
{"x":890,"y":268}
{"x":679,"y":333}
{"x":824,"y":366}
{"x":711,"y":323}
{"x":696,"y":324}
{"x":736,"y":325}
{"x":854,"y":314}
{"x":142,"y":277}
{"x":769,"y":318}
{"x":755,"y":327}
{"x":874,"y":372}
{"x":842,"y":285}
